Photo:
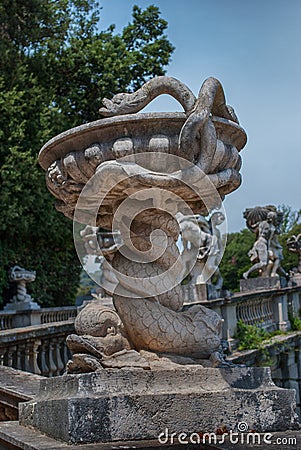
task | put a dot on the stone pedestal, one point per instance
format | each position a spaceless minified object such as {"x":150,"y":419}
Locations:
{"x":262,"y":283}
{"x":128,"y":404}
{"x":203,"y":292}
{"x":21,"y":306}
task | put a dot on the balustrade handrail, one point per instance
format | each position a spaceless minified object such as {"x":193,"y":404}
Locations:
{"x":16,"y":319}
{"x":265,"y":308}
{"x":34,"y":331}
{"x":39,"y":349}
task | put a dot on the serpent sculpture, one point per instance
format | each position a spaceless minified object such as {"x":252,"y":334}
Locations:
{"x":133,"y":173}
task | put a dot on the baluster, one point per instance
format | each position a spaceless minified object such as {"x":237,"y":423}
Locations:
{"x":51,"y":365}
{"x":10,"y":354}
{"x":26,"y":357}
{"x":253,"y":312}
{"x":66,"y":352}
{"x":271,"y":310}
{"x":245,"y":311}
{"x":257,"y":312}
{"x":238,"y":313}
{"x":2,"y":355}
{"x":263,"y":313}
{"x":43,"y":358}
{"x":260,"y":311}
{"x":57,"y":356}
{"x":33,"y":356}
{"x":266,"y":312}
{"x":20,"y":364}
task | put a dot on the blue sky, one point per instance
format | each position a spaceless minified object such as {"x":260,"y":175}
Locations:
{"x":253,"y":47}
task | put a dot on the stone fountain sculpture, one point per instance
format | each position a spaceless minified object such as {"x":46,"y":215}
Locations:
{"x":266,"y":253}
{"x":165,"y":164}
{"x":151,"y":364}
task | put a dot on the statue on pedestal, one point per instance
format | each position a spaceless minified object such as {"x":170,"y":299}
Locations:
{"x":266,"y":253}
{"x":22,"y":300}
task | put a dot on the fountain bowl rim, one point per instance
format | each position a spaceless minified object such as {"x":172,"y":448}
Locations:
{"x":49,"y":152}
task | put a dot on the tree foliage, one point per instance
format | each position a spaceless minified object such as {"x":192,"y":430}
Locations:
{"x":291,"y":218}
{"x":235,"y":260}
{"x":55,"y":68}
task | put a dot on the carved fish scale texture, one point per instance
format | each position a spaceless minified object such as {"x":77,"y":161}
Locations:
{"x":152,"y":326}
{"x":156,"y":323}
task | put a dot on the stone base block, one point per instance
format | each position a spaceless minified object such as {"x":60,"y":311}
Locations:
{"x":262,"y":283}
{"x":128,"y":404}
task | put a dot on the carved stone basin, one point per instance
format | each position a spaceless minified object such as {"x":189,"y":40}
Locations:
{"x":209,"y":142}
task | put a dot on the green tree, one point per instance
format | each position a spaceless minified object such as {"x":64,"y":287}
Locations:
{"x":55,"y":68}
{"x":291,"y":217}
{"x":235,"y":260}
{"x":290,"y":260}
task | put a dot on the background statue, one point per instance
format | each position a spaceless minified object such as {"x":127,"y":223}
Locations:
{"x":294,"y":246}
{"x":203,"y":236}
{"x":21,"y":276}
{"x":266,"y":253}
{"x":102,"y":244}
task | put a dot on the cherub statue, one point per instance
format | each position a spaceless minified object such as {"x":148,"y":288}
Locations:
{"x":102,"y":244}
{"x":266,"y":253}
{"x":202,"y":235}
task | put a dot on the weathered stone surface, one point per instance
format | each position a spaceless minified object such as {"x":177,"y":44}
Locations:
{"x":112,"y":404}
{"x":15,"y":386}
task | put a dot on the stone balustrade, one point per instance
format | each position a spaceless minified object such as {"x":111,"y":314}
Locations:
{"x":267,"y":308}
{"x":16,"y":319}
{"x":6,"y":320}
{"x":38,"y":349}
